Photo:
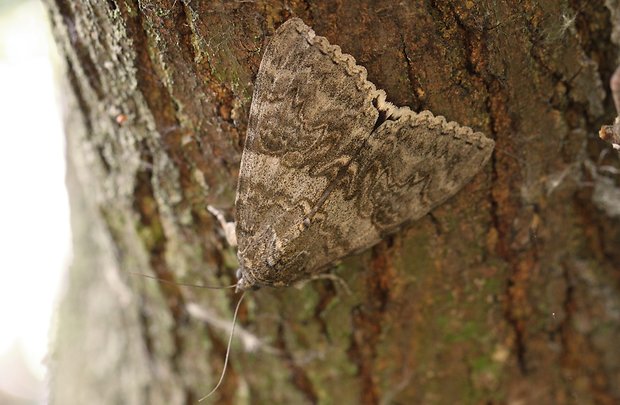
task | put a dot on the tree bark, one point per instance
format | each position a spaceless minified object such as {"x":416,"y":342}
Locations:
{"x":508,"y":293}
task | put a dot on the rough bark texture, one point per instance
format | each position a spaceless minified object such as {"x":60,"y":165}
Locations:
{"x":508,"y":293}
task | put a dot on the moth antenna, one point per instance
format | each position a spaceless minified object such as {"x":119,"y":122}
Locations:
{"x":232,"y":332}
{"x":210,"y":287}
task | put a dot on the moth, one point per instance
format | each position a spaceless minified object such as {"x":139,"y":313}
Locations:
{"x":330,"y":167}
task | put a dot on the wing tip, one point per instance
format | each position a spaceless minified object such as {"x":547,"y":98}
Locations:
{"x":348,"y":62}
{"x":334,"y":52}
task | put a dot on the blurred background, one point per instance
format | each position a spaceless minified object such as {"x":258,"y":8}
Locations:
{"x":34,"y":211}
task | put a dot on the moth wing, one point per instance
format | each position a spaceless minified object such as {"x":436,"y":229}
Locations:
{"x":408,"y":166}
{"x":312,"y":106}
{"x":413,"y":164}
{"x":329,"y":167}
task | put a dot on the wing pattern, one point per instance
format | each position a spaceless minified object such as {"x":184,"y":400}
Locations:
{"x":330,"y":167}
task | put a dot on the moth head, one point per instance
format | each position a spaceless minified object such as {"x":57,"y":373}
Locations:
{"x":256,"y":267}
{"x":245,"y":282}
{"x":250,"y":274}
{"x":274,"y":257}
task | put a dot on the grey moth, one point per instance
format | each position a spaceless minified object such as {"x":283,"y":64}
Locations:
{"x":330,"y":167}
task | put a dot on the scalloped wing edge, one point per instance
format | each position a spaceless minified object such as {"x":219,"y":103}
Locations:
{"x":359,"y":73}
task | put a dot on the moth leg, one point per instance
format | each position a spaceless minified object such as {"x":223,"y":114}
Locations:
{"x":227,"y":227}
{"x":326,"y":276}
{"x":611,"y":133}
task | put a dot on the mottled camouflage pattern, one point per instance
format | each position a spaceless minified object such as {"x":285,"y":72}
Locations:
{"x":330,"y":167}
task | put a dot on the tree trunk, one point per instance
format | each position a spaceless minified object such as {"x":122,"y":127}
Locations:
{"x":507,"y":293}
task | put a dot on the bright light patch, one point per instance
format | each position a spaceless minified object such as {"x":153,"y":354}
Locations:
{"x":34,"y":212}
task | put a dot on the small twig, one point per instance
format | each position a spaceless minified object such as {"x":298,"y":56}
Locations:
{"x":249,"y":341}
